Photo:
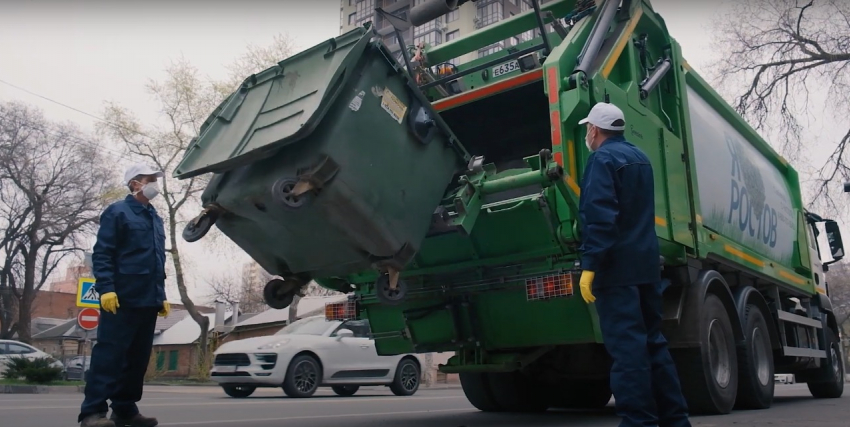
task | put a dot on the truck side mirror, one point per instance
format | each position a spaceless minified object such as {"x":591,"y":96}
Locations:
{"x":833,"y":235}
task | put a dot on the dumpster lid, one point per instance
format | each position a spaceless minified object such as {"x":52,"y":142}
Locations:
{"x":274,"y":107}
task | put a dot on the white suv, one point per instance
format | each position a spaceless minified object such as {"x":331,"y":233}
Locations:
{"x":310,"y":353}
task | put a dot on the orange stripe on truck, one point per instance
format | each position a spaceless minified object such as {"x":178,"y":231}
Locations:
{"x":740,"y":254}
{"x":472,"y":95}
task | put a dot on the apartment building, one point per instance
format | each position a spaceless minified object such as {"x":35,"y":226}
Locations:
{"x":469,"y":17}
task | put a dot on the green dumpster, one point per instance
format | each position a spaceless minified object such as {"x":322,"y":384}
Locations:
{"x":329,"y":163}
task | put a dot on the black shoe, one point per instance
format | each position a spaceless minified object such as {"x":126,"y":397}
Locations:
{"x":96,"y":420}
{"x":137,"y":420}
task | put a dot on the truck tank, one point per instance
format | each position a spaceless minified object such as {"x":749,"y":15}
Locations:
{"x":442,"y":196}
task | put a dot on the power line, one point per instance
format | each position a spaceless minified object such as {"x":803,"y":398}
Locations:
{"x":77,"y":110}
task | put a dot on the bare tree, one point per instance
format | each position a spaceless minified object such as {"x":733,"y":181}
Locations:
{"x":53,"y":187}
{"x":255,"y":59}
{"x":780,"y":50}
{"x":231,"y":289}
{"x":838,"y":280}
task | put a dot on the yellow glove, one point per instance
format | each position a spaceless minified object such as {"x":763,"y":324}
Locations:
{"x":109,"y":302}
{"x":166,"y":308}
{"x":585,"y":283}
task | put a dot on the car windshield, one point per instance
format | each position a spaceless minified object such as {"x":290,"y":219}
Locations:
{"x":309,"y":326}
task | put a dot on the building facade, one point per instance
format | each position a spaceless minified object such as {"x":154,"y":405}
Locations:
{"x":467,"y":18}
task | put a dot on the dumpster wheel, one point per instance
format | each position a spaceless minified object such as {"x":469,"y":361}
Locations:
{"x":386,"y":294}
{"x":198,"y":227}
{"x":278,"y":294}
{"x":282,"y":192}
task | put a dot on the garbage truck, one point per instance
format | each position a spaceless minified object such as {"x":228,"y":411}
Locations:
{"x":442,"y":196}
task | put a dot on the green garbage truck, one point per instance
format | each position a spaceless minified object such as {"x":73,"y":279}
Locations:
{"x":442,"y":196}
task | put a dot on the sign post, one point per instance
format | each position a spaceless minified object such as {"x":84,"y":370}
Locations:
{"x":87,"y":295}
{"x":88,"y":318}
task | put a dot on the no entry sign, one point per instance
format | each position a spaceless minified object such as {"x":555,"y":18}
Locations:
{"x":88,"y":318}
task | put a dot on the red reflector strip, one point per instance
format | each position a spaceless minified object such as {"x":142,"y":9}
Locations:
{"x":549,"y":286}
{"x":346,"y":310}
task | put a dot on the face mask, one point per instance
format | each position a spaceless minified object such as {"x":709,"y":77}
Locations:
{"x":588,"y":141}
{"x":149,"y":190}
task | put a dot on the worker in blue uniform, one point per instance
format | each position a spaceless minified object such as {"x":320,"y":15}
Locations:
{"x":621,"y":273}
{"x":128,"y":262}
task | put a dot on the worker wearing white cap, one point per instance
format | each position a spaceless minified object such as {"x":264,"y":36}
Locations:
{"x":128,"y":262}
{"x":621,"y":273}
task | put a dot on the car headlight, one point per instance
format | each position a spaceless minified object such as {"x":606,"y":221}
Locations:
{"x":273,"y":345}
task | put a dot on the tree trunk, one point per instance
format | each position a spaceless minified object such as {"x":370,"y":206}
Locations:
{"x":28,"y":293}
{"x":200,"y":319}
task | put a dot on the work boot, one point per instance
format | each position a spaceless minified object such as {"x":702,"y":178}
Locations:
{"x":97,"y":420}
{"x":137,"y":420}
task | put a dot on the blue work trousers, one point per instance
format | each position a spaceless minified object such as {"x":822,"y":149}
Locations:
{"x":643,"y":377}
{"x":119,"y":361}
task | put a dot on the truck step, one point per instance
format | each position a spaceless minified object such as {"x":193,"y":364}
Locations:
{"x":800,"y":320}
{"x":803,"y":352}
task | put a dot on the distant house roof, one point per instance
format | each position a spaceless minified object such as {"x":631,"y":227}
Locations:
{"x":164,"y":323}
{"x":41,"y":324}
{"x":66,"y":330}
{"x":306,"y":307}
{"x":185,"y":331}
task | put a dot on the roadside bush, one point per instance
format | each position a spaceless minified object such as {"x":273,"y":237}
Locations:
{"x":37,"y":371}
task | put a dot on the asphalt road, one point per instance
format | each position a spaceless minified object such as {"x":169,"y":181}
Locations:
{"x":196,"y":406}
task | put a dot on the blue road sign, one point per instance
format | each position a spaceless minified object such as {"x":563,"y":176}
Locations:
{"x":87,"y":296}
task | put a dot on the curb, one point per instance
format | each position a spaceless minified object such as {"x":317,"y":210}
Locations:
{"x":41,"y":389}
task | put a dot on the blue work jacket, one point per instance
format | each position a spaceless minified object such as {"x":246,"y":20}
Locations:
{"x":129,"y":255}
{"x":617,"y":212}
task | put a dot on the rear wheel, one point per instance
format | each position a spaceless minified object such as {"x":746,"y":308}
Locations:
{"x":302,"y":377}
{"x":476,"y":387}
{"x":345,"y":390}
{"x":407,"y":377}
{"x":238,"y":391}
{"x":831,"y":372}
{"x":755,"y":369}
{"x":516,"y":392}
{"x":709,"y":374}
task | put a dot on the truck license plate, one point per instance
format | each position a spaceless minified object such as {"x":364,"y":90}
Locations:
{"x":506,"y":68}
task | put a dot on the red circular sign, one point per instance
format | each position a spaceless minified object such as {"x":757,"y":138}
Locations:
{"x":88,"y":318}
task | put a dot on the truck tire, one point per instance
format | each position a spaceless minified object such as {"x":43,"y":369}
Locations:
{"x":345,"y":390}
{"x":476,"y":387}
{"x":515,"y":392}
{"x":709,"y":374}
{"x":755,"y":363}
{"x":239,"y":392}
{"x":829,"y":380}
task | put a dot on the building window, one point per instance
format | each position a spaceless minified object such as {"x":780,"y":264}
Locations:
{"x":365,"y":11}
{"x":173,"y":357}
{"x":489,"y":13}
{"x":351,"y":2}
{"x":431,"y":39}
{"x":424,"y":28}
{"x":352,"y":18}
{"x":160,"y":361}
{"x":489,"y":50}
{"x":390,"y":40}
{"x":452,"y":35}
{"x":453,"y":16}
{"x":524,"y":6}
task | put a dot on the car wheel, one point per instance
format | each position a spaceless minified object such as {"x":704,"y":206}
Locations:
{"x":407,"y":377}
{"x":238,"y":391}
{"x":302,"y":377}
{"x":345,"y":390}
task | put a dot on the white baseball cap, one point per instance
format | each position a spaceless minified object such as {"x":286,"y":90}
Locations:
{"x":140,"y":169}
{"x":605,"y":116}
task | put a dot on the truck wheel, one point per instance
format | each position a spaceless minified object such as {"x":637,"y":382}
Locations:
{"x":278,"y":294}
{"x":302,"y":377}
{"x":583,"y":395}
{"x":755,"y":369}
{"x":709,"y":374}
{"x":345,"y":390}
{"x":832,"y":370}
{"x":238,"y":391}
{"x":476,"y":387}
{"x":515,"y":392}
{"x":407,"y":376}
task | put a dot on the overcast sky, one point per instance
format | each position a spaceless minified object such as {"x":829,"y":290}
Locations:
{"x":83,"y":52}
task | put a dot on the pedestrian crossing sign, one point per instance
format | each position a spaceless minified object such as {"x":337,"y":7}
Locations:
{"x":87,"y":296}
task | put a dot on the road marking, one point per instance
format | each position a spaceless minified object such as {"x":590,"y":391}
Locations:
{"x":258,"y":401}
{"x":314,"y":417}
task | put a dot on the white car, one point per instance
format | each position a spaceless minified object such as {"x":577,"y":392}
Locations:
{"x":310,"y":353}
{"x":10,"y":349}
